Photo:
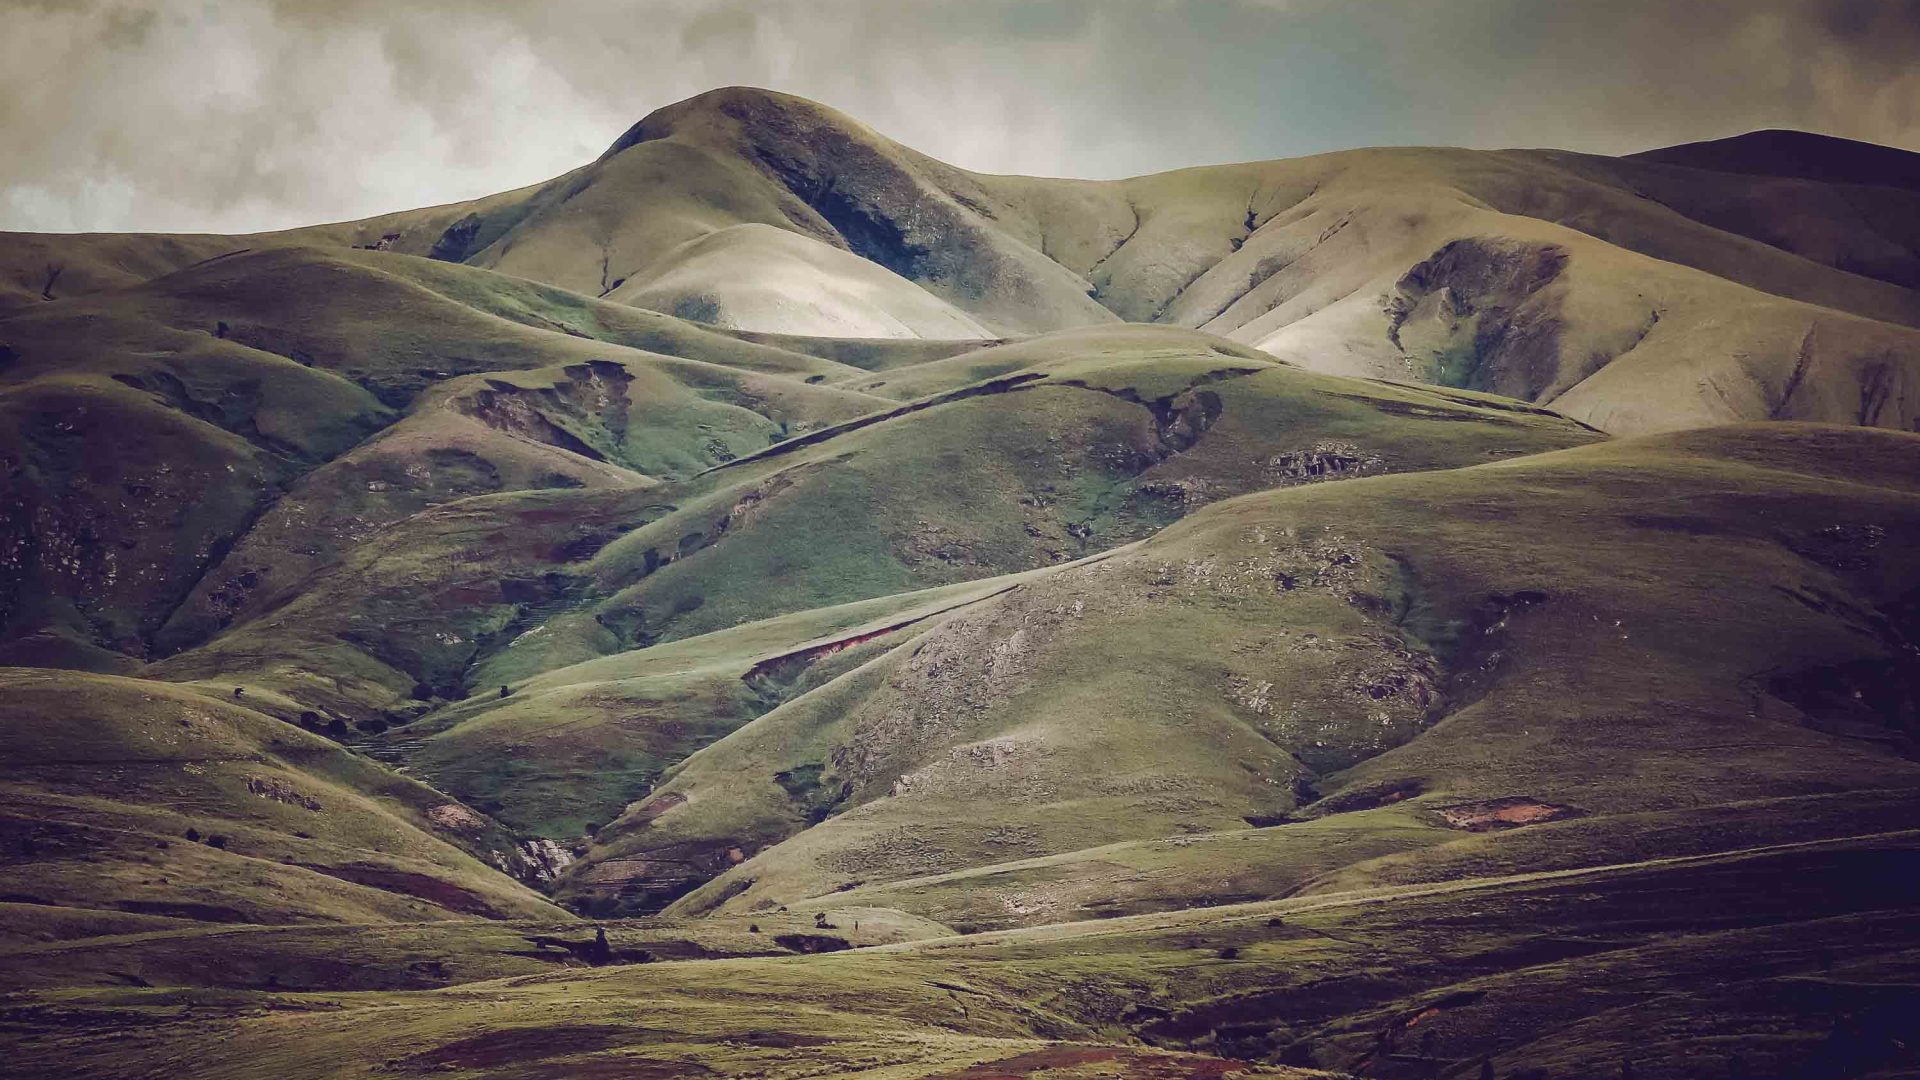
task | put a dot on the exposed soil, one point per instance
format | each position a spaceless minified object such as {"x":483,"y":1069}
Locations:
{"x":782,"y":670}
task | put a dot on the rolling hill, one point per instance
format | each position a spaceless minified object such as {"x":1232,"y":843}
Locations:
{"x":1399,"y":613}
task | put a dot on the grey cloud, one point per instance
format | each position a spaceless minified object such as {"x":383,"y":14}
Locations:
{"x":246,"y":114}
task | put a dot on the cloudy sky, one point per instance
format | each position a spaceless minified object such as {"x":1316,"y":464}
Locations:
{"x":234,"y":115}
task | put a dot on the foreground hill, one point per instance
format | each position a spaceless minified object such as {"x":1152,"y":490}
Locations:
{"x":127,"y":799}
{"x":1662,"y":968}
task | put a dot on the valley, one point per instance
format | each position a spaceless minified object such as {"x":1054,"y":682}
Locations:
{"x":768,"y":603}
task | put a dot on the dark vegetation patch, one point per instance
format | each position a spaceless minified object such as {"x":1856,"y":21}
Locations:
{"x":1180,"y":418}
{"x":513,"y":1045}
{"x":408,"y":883}
{"x":812,"y":943}
{"x":701,"y":308}
{"x":1844,"y":547}
{"x":1504,"y":336}
{"x":813,"y":794}
{"x":1416,"y":411}
{"x":811,"y":166}
{"x":473,"y":233}
{"x":232,"y":409}
{"x":1876,"y":699}
{"x":457,"y":242}
{"x":800,"y":782}
{"x":1370,"y":797}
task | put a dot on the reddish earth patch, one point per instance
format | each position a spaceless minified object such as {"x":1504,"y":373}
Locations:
{"x":1132,"y":1064}
{"x":1510,"y":813}
{"x":657,"y":807}
{"x":456,"y":817}
{"x":787,"y":666}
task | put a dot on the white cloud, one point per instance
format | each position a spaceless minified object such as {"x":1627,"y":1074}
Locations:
{"x":247,"y":114}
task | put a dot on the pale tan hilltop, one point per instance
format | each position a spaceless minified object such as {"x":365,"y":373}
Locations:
{"x":757,"y":277}
{"x":1750,"y":292}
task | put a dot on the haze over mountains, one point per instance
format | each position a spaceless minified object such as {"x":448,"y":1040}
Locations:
{"x":765,"y":523}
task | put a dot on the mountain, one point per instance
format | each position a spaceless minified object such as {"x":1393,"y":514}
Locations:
{"x":1666,"y":290}
{"x":1401,"y":612}
{"x":1799,"y":155}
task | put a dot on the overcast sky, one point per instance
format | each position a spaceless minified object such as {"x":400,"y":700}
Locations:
{"x":232,"y":115}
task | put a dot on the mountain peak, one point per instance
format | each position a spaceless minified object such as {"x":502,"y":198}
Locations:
{"x":1801,"y":155}
{"x":727,"y":106}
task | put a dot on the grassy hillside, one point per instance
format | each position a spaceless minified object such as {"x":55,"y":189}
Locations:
{"x":1663,"y":968}
{"x":127,"y":795}
{"x":1321,"y":259}
{"x":265,"y":412}
{"x":757,"y":277}
{"x":1092,"y":441}
{"x":318,"y":957}
{"x":1324,"y":649}
{"x":1240,"y":621}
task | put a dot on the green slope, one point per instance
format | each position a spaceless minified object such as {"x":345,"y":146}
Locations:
{"x":125,"y":795}
{"x":1094,"y":441}
{"x":1325,"y":649}
{"x":1675,"y":967}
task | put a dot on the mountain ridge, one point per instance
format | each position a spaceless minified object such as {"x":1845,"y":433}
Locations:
{"x":1295,"y":257}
